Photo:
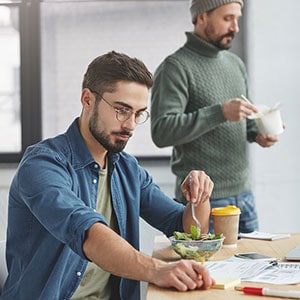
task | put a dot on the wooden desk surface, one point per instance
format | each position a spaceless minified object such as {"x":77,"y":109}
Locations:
{"x":278,"y":249}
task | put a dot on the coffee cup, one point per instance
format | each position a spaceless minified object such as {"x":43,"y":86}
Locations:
{"x":226,"y":221}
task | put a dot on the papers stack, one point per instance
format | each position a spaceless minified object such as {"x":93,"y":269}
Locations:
{"x":264,"y":235}
{"x":247,"y":270}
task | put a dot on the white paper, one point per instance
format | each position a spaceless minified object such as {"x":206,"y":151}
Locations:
{"x":239,"y":269}
{"x":264,"y":235}
{"x":282,"y":273}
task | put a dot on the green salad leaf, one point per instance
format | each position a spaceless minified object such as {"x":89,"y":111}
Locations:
{"x":196,"y":235}
{"x":195,"y":232}
{"x":182,"y":236}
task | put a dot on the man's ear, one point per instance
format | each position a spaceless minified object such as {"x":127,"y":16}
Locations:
{"x":87,"y":98}
{"x":201,"y":19}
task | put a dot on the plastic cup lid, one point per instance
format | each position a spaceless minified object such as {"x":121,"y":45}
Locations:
{"x":225,"y":211}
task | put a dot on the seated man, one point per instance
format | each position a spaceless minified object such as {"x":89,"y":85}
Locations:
{"x":76,"y":199}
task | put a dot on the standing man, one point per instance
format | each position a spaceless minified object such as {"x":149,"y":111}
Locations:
{"x":76,"y":199}
{"x":196,"y":108}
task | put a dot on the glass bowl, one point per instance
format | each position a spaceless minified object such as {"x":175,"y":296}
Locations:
{"x":198,"y":250}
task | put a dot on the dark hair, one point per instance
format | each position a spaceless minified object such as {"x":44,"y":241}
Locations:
{"x":106,"y":70}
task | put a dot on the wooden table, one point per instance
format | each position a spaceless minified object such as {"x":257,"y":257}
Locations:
{"x":278,"y":249}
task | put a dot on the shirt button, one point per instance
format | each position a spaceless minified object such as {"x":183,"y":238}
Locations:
{"x":94,"y":180}
{"x":78,"y":274}
{"x":95,"y":166}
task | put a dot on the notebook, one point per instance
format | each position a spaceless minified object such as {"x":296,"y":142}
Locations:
{"x":293,"y":254}
{"x":225,"y":283}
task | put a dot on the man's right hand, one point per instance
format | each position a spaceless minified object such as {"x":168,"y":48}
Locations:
{"x":235,"y":110}
{"x":183,"y":275}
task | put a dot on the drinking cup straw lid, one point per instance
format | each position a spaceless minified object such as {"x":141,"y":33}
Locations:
{"x":225,"y":211}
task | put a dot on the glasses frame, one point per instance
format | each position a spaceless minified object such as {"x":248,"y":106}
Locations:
{"x":122,"y":110}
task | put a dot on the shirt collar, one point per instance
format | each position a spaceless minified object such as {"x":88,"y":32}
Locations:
{"x":81,"y":155}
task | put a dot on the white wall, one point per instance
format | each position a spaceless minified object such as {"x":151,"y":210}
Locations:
{"x":274,"y":72}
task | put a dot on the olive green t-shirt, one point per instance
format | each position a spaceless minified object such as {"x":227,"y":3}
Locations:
{"x":95,"y":282}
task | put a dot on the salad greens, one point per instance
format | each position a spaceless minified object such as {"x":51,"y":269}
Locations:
{"x":196,"y":235}
{"x":195,"y":232}
{"x":195,"y":245}
{"x":195,"y":252}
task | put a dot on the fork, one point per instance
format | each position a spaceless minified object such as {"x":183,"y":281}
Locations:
{"x":193,"y":207}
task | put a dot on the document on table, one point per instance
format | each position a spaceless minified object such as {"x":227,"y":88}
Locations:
{"x":282,"y":273}
{"x":259,"y":235}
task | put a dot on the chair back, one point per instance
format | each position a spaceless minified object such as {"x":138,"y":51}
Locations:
{"x":3,"y":268}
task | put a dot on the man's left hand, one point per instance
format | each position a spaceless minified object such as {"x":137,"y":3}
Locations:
{"x":197,"y":187}
{"x":266,"y":141}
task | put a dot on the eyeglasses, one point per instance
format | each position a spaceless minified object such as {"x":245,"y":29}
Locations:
{"x":123,"y":114}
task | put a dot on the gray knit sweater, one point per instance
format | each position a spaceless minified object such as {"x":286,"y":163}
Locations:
{"x":189,"y":87}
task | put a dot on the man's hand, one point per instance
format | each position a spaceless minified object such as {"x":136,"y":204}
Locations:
{"x":107,"y":249}
{"x":197,"y":187}
{"x":183,"y":275}
{"x":266,"y":141}
{"x":235,"y":110}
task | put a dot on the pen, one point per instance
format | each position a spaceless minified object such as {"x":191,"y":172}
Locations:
{"x":269,"y":292}
{"x":202,"y":264}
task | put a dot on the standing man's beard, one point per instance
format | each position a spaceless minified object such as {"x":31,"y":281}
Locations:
{"x":103,"y":138}
{"x":218,"y":42}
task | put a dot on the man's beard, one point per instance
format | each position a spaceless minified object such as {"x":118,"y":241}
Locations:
{"x":103,"y":138}
{"x":218,"y":42}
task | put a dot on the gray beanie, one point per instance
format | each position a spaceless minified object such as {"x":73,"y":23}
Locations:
{"x":198,"y":7}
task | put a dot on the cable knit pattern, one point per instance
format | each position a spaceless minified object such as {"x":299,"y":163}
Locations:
{"x":190,"y":86}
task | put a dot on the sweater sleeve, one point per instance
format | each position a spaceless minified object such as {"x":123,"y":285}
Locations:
{"x":171,"y":121}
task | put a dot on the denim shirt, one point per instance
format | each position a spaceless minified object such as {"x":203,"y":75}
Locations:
{"x":52,"y":203}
